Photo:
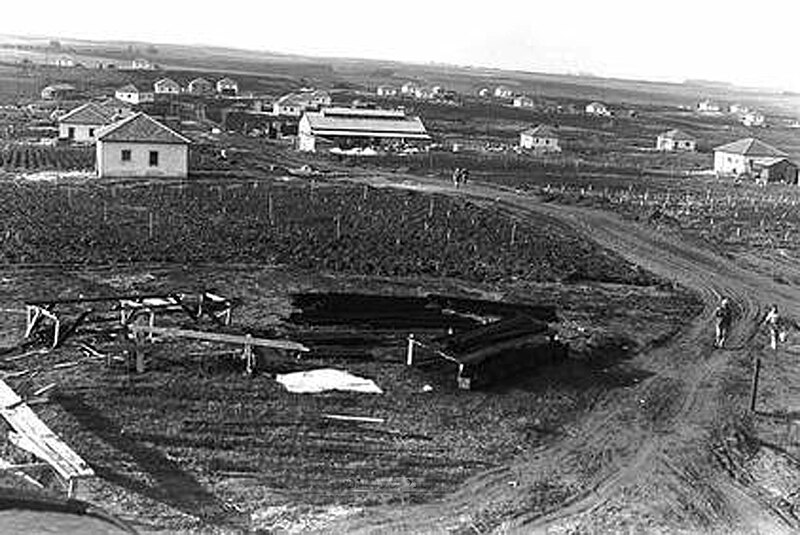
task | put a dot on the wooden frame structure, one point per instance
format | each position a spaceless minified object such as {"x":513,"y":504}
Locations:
{"x":130,"y":307}
{"x":140,"y":332}
{"x":30,"y":434}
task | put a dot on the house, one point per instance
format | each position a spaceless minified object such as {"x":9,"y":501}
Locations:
{"x":770,"y":170}
{"x":140,"y":146}
{"x":753,"y":118}
{"x":676,"y":140}
{"x":708,"y":106}
{"x":503,"y":92}
{"x":141,"y":64}
{"x":543,"y":138}
{"x":166,"y":86}
{"x":409,"y":88}
{"x":744,"y":156}
{"x":84,"y":122}
{"x":59,"y":92}
{"x":200,"y":87}
{"x":598,"y":109}
{"x":423,"y":93}
{"x":64,"y":62}
{"x":737,"y":109}
{"x":386,"y":91}
{"x":227,"y":87}
{"x":294,"y":104}
{"x":437,"y":91}
{"x":348,"y":128}
{"x":484,"y":92}
{"x":131,"y":94}
{"x":523,"y":101}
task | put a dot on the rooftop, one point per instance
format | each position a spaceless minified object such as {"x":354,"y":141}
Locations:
{"x":750,"y":147}
{"x":89,"y":113}
{"x":677,"y":134}
{"x":366,"y":124}
{"x":542,"y":130}
{"x":141,"y":128}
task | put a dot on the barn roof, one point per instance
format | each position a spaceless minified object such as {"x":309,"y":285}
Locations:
{"x":677,"y":135}
{"x":141,"y":128}
{"x":89,"y":113}
{"x":750,"y":147}
{"x":542,"y":130}
{"x":366,"y":123}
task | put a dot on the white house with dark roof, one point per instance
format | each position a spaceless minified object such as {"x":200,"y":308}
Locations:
{"x":132,"y":95}
{"x":754,"y":119}
{"x":166,"y":86}
{"x":543,"y":138}
{"x":295,"y":104}
{"x":140,"y":146}
{"x":228,"y":87}
{"x":348,"y":127}
{"x":676,"y":140}
{"x":744,"y":156}
{"x":83,"y":123}
{"x":598,"y":109}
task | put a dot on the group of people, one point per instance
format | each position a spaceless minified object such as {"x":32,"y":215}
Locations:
{"x":460,"y":176}
{"x":772,"y":320}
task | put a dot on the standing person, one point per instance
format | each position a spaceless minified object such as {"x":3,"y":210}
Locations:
{"x":773,"y":321}
{"x":724,"y":315}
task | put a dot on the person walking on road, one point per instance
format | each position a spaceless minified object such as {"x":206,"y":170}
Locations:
{"x":724,"y":317}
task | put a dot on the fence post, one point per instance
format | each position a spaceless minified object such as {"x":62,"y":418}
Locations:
{"x":410,"y":350}
{"x":754,"y":389}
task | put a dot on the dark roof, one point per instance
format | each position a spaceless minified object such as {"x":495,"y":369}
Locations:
{"x":89,"y":113}
{"x":750,"y":147}
{"x":129,"y":88}
{"x":542,"y":130}
{"x":141,"y":128}
{"x":364,"y":123}
{"x":677,"y":135}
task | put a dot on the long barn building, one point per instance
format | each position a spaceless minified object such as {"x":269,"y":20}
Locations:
{"x":350,"y":127}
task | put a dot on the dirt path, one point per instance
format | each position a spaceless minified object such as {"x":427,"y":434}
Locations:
{"x":641,"y":459}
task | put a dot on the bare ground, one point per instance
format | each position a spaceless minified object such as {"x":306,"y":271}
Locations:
{"x":671,"y":454}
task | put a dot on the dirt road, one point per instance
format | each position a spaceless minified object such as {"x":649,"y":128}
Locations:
{"x":648,"y":458}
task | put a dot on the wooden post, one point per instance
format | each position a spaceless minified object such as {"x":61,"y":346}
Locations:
{"x":72,"y":487}
{"x":410,"y":350}
{"x":139,"y":350}
{"x":150,"y":224}
{"x":754,"y":389}
{"x":269,"y":209}
{"x":513,"y":232}
{"x":338,"y":227}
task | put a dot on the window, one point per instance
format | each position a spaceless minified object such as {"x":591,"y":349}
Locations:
{"x":126,"y":155}
{"x":91,"y":132}
{"x":153,"y":158}
{"x":71,"y":132}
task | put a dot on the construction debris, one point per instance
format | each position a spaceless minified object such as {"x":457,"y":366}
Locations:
{"x":322,"y":380}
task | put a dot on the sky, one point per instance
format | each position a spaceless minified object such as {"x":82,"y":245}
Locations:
{"x":750,"y":44}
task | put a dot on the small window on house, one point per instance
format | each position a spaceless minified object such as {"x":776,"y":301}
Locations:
{"x":91,"y":132}
{"x":126,"y":155}
{"x":71,"y":132}
{"x":153,"y":158}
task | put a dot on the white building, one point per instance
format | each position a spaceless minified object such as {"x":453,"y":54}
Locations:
{"x":131,"y":94}
{"x":386,"y":91}
{"x":753,"y":118}
{"x":676,"y":140}
{"x":64,"y":62}
{"x":228,"y":87}
{"x":140,"y":146}
{"x":708,"y":106}
{"x":141,"y":64}
{"x":409,"y":88}
{"x":743,"y":156}
{"x":82,"y":124}
{"x":523,"y":101}
{"x":166,"y":86}
{"x":503,"y":92}
{"x":484,"y":92}
{"x":295,"y":104}
{"x":349,"y":127}
{"x":423,"y":93}
{"x":598,"y":108}
{"x":543,"y":138}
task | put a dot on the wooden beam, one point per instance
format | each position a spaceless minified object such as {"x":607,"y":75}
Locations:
{"x":220,"y":337}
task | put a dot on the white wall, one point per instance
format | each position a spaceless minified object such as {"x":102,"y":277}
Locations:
{"x":173,"y":160}
{"x":544,"y":144}
{"x":83,"y":133}
{"x":730,"y":164}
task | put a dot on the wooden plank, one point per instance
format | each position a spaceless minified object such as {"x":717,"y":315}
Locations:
{"x":344,"y":418}
{"x":219,"y":337}
{"x":34,"y":436}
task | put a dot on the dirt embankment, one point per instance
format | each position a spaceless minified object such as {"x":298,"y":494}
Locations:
{"x":656,"y":456}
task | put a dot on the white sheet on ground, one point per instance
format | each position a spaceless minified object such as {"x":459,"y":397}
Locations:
{"x":315,"y":381}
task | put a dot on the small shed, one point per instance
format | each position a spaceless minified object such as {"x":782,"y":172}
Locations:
{"x":775,"y":170}
{"x":166,"y":86}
